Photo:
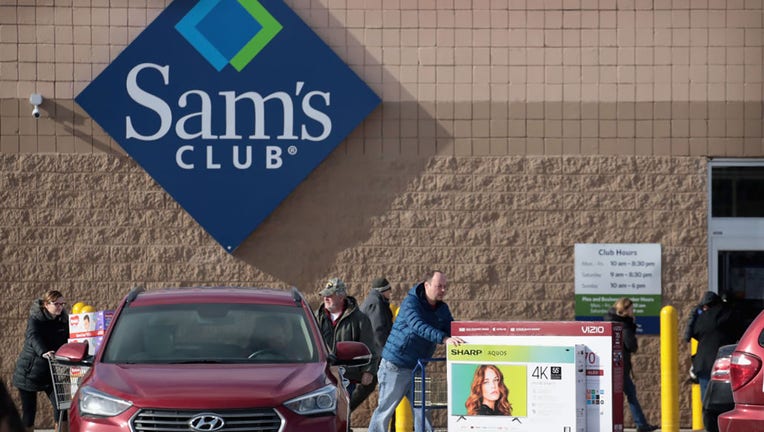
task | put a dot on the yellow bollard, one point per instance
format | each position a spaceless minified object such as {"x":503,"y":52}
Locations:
{"x":669,"y":370}
{"x":404,"y":416}
{"x":697,"y":402}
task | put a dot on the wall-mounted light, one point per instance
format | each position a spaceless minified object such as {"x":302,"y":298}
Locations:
{"x":36,"y":99}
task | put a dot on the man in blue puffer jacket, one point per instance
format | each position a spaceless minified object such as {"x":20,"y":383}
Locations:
{"x":423,"y":321}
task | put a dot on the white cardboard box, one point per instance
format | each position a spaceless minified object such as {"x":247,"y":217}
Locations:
{"x":94,"y":343}
{"x":89,"y":324}
{"x":603,"y":358}
{"x":542,"y":387}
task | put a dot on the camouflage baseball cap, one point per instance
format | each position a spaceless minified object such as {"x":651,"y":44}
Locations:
{"x":333,"y":286}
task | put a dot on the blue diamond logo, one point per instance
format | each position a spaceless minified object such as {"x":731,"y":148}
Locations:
{"x":229,"y":31}
{"x":229,"y":144}
{"x":228,"y":28}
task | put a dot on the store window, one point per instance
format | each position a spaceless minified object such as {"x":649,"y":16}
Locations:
{"x":737,"y":191}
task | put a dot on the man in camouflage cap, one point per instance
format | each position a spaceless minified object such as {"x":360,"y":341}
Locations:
{"x":340,"y":319}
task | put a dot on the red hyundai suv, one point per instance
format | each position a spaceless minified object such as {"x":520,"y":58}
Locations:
{"x":212,"y":359}
{"x":747,"y":381}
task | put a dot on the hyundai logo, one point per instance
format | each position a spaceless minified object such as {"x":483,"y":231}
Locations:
{"x":206,"y":422}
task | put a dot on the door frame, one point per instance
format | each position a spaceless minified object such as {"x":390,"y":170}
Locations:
{"x":726,"y":233}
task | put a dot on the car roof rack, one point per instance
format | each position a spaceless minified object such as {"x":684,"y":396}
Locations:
{"x":297,"y":295}
{"x":133,"y":294}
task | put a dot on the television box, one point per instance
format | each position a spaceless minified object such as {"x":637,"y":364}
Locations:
{"x":530,"y":387}
{"x":603,"y":359}
{"x":89,"y":324}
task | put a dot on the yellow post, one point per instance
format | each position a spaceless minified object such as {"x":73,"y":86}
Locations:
{"x":697,"y":402}
{"x":404,"y":416}
{"x":669,"y":370}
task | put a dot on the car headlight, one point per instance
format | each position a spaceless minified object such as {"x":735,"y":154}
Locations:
{"x":323,"y":400}
{"x":97,"y":403}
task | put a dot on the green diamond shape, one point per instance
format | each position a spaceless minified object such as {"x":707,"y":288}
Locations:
{"x":271,"y":27}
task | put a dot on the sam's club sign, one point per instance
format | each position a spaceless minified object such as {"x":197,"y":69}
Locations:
{"x":228,"y":105}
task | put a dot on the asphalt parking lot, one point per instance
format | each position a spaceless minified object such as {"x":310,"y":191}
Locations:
{"x":625,"y":430}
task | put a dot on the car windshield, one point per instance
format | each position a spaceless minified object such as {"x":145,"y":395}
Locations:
{"x":210,"y":333}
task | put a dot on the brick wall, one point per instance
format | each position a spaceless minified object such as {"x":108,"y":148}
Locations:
{"x":459,"y":77}
{"x":502,"y":228}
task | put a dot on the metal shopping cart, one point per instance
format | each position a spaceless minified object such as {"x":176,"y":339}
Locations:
{"x":430,"y":392}
{"x":66,"y":380}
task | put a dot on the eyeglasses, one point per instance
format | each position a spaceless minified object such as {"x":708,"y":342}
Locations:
{"x":59,"y":304}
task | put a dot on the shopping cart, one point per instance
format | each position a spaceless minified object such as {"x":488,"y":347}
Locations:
{"x":429,"y":393}
{"x":66,"y":380}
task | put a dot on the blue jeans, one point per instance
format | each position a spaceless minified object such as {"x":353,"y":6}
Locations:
{"x":394,"y":383}
{"x":630,"y":390}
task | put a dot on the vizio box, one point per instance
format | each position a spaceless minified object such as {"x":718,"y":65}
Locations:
{"x":504,"y":387}
{"x":603,"y":358}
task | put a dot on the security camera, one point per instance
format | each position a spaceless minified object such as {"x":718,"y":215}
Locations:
{"x":35,"y":99}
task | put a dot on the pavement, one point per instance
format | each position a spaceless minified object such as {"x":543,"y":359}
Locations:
{"x":355,"y":429}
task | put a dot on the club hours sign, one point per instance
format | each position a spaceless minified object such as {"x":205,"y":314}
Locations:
{"x":606,"y":272}
{"x":228,"y":105}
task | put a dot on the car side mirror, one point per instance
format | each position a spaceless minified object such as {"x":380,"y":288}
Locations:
{"x":349,"y":353}
{"x":74,"y":353}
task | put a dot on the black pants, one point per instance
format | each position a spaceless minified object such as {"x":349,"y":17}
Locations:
{"x":10,"y":419}
{"x":29,"y":406}
{"x":361,"y":393}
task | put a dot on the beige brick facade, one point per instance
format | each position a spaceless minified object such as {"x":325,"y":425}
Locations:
{"x":509,"y":131}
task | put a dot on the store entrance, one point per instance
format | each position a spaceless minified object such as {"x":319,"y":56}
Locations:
{"x":740,"y":276}
{"x":736,"y":235}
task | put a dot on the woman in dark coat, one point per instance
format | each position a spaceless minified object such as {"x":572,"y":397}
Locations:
{"x":714,"y":324}
{"x":47,"y":330}
{"x":623,"y":312}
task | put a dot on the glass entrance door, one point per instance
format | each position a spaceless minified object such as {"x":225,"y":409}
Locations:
{"x":736,"y":234}
{"x":737,"y":274}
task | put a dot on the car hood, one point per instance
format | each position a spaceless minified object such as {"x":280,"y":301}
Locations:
{"x":208,"y":386}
